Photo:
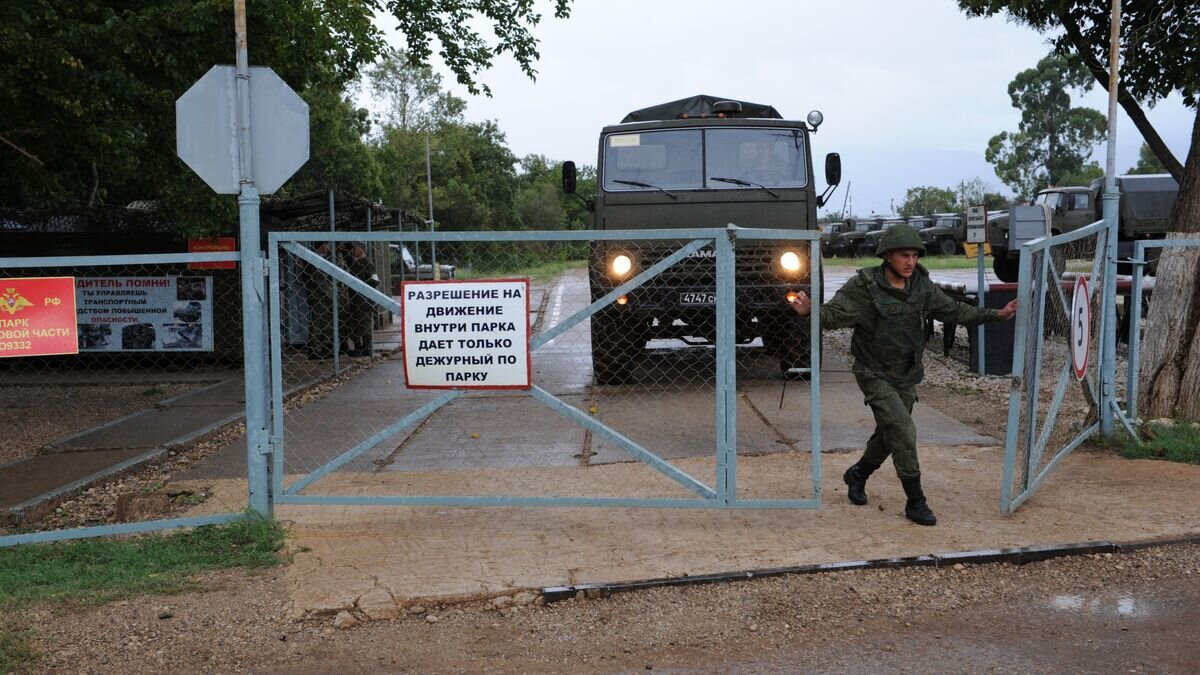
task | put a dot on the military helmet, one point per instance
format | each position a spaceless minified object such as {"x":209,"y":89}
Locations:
{"x":899,"y":237}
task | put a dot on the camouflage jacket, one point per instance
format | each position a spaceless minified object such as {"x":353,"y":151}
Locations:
{"x":889,"y":323}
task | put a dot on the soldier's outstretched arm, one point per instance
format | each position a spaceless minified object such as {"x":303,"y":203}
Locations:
{"x":843,"y":310}
{"x":948,"y":310}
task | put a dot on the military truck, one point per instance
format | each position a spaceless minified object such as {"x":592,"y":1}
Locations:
{"x":871,"y":241}
{"x":1144,"y":213}
{"x":702,"y":162}
{"x":852,"y":244}
{"x":942,"y":233}
{"x":830,"y":233}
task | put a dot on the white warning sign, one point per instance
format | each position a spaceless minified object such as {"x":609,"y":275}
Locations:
{"x":466,"y":334}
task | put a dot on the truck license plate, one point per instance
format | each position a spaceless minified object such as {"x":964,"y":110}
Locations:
{"x":697,"y":298}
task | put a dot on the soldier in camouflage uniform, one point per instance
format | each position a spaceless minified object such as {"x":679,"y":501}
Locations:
{"x":359,"y":317}
{"x":320,"y":289}
{"x":888,"y":307}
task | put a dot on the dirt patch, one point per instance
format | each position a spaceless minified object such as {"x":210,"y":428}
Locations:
{"x":48,"y":413}
{"x":1114,"y":611}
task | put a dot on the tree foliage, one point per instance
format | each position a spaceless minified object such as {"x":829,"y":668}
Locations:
{"x":1053,"y":140}
{"x":467,"y":53}
{"x":1160,"y":49}
{"x":88,"y":88}
{"x":923,"y":200}
{"x":1148,"y":162}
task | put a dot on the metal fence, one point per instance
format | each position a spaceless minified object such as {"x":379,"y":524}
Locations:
{"x":656,"y":365}
{"x":1056,"y":398}
{"x":123,"y":436}
{"x":1145,"y":253}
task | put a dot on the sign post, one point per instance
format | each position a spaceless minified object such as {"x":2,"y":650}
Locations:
{"x":977,"y":234}
{"x":213,"y":120}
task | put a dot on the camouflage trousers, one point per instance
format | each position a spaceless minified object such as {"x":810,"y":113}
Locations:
{"x":895,"y":434}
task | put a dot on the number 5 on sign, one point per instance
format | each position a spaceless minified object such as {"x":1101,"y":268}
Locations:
{"x":1081,"y":327}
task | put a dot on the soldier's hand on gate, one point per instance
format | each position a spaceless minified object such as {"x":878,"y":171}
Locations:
{"x":1009,"y":311}
{"x":802,"y":304}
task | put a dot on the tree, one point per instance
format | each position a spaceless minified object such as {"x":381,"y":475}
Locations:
{"x":1160,"y":54}
{"x":462,"y":49}
{"x":1147,"y":162}
{"x":1053,"y":139}
{"x":411,"y":94}
{"x":977,"y":191}
{"x":88,"y":87}
{"x":924,"y":200}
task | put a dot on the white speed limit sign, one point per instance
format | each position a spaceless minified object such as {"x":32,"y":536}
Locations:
{"x":1081,"y":327}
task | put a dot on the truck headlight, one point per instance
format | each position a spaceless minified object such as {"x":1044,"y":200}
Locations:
{"x":790,"y":262}
{"x":620,"y":265}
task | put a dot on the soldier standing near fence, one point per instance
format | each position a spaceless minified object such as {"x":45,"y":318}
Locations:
{"x":888,"y":307}
{"x":320,"y":288}
{"x":360,"y":312}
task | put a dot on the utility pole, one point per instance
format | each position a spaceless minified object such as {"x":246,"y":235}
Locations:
{"x":429,"y":191}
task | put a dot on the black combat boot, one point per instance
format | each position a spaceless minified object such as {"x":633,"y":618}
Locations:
{"x":856,"y":481}
{"x":916,"y":509}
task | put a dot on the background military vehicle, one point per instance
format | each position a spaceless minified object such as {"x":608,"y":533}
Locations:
{"x":830,"y":233}
{"x":1144,"y":213}
{"x":872,"y":238}
{"x":851,"y":244}
{"x":702,"y":162}
{"x":942,"y":233}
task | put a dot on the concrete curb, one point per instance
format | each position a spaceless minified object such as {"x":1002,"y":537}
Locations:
{"x":1015,"y":556}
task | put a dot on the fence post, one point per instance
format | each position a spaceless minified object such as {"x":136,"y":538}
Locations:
{"x":726,"y":370}
{"x":1134,"y":313}
{"x":1108,"y":318}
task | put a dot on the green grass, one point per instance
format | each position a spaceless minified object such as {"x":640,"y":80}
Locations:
{"x":92,"y":572}
{"x":944,"y":262}
{"x":95,"y":571}
{"x":14,"y":648}
{"x":1178,"y":443}
{"x":538,"y":273}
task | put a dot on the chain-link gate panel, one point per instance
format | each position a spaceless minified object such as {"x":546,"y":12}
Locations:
{"x":627,"y":392}
{"x":1055,"y":405}
{"x":135,"y":426}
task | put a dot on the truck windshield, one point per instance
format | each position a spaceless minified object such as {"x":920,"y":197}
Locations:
{"x":683,"y":159}
{"x":1051,"y":199}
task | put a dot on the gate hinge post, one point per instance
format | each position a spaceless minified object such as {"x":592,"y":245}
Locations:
{"x":264,"y":266}
{"x":271,"y":444}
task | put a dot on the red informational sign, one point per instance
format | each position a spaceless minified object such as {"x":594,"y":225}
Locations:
{"x":37,"y":316}
{"x":213,"y":245}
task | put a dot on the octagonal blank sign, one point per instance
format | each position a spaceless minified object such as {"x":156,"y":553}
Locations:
{"x":207,"y":134}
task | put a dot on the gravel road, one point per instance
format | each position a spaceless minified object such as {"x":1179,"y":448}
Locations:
{"x":1104,"y":613}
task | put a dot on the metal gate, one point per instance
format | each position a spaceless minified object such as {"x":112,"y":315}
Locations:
{"x":1056,"y":400}
{"x":489,"y":451}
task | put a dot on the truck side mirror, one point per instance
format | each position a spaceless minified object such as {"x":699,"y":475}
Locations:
{"x":833,"y":169}
{"x":568,"y":177}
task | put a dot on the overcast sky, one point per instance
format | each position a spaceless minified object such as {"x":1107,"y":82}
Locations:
{"x":911,"y":91}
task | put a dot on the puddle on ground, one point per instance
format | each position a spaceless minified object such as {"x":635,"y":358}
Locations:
{"x":1117,"y":605}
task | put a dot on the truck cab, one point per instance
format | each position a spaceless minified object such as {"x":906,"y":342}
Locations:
{"x":871,"y":241}
{"x":851,"y":244}
{"x":942,"y":233}
{"x":702,"y":162}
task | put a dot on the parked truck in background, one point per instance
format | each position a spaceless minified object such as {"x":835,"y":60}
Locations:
{"x":942,"y":233}
{"x":830,"y":233}
{"x":1144,"y":213}
{"x":871,"y":241}
{"x":702,"y":162}
{"x":852,"y":243}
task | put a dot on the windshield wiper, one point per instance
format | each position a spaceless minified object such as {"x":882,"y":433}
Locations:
{"x":746,"y":183}
{"x":638,"y":183}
